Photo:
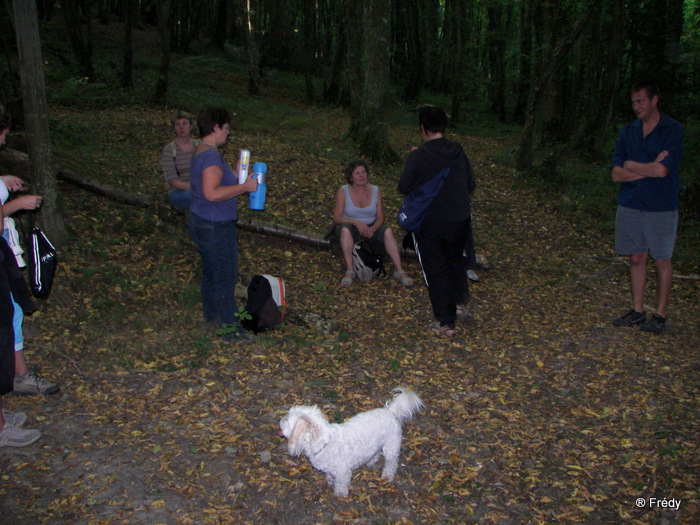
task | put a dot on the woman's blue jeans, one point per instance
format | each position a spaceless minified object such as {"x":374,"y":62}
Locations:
{"x":181,"y":199}
{"x":217,"y":243}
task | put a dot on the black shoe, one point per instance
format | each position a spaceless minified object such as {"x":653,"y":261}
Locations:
{"x":655,"y":324}
{"x":631,"y":318}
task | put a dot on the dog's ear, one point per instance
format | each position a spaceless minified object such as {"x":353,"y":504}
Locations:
{"x":305,"y":431}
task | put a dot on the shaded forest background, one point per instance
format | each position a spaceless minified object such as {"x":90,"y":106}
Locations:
{"x":556,"y":74}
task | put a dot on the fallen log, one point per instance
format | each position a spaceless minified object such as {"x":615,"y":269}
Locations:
{"x":106,"y":190}
{"x":17,"y":162}
{"x":274,"y":230}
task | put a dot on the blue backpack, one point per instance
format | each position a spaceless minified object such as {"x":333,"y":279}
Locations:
{"x":417,"y":203}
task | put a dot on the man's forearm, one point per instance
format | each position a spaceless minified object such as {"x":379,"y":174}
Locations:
{"x":620,"y":174}
{"x":646,"y":169}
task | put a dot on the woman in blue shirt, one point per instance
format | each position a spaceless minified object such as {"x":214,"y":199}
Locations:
{"x":212,"y":220}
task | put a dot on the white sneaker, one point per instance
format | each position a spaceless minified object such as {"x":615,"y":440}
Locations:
{"x":471,"y":275}
{"x":16,"y":419}
{"x":17,"y":437}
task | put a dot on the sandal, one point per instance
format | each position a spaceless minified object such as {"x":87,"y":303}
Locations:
{"x":442,"y":329}
{"x":462,"y":312}
{"x":405,"y":279}
{"x":347,"y":280}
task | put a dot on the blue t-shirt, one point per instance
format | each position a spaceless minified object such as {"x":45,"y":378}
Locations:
{"x":651,"y":194}
{"x":212,"y":211}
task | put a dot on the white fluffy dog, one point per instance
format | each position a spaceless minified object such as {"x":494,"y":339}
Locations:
{"x":338,"y":450}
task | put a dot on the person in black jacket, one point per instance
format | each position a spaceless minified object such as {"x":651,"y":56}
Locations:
{"x":441,"y":239}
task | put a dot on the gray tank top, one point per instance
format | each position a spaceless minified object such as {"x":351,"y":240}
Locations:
{"x":365,"y":215}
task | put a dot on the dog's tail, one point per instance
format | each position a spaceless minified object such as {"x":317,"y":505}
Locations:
{"x":405,"y":403}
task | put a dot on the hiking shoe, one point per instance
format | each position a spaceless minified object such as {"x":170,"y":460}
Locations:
{"x":631,"y":318}
{"x":17,"y":437}
{"x":31,"y":384}
{"x":16,"y":419}
{"x":655,"y":324}
{"x":471,"y":275}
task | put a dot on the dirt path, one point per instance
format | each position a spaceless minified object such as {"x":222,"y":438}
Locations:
{"x":540,"y":411}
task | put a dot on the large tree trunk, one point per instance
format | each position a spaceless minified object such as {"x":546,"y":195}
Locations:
{"x":371,"y":132}
{"x":36,"y":119}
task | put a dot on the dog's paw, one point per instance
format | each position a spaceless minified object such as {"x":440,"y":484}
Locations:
{"x":340,"y":493}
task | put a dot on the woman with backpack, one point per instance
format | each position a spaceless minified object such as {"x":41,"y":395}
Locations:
{"x":359,"y":214}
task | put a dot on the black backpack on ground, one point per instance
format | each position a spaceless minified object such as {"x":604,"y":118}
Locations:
{"x":266,"y":303}
{"x":367,"y":263}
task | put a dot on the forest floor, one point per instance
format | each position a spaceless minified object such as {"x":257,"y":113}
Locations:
{"x":539,"y":411}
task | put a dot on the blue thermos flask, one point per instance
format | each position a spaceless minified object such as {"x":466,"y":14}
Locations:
{"x":257,"y":198}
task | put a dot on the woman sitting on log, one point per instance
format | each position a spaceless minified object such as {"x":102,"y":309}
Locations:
{"x":359,"y":214}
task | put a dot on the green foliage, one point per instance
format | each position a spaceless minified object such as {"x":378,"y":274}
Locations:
{"x":242,"y":314}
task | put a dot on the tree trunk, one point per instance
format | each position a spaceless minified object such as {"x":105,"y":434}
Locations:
{"x":534,"y":105}
{"x":128,"y":72}
{"x":525,"y":59}
{"x":161,"y":90}
{"x":371,"y":131}
{"x":496,"y":44}
{"x":599,"y":73}
{"x":253,"y":51}
{"x":456,"y":46}
{"x":81,"y":43}
{"x":672,"y":49}
{"x":353,"y":78}
{"x":221,"y":27}
{"x":334,"y":91}
{"x":309,"y":46}
{"x":36,"y":119}
{"x":414,"y":53}
{"x":431,"y":32}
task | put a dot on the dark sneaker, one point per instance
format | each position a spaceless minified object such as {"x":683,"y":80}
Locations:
{"x":31,"y":384}
{"x":17,"y":437}
{"x":16,"y":419}
{"x":655,"y":324}
{"x":631,"y":318}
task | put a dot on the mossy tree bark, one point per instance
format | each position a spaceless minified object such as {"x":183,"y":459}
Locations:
{"x":36,"y":119}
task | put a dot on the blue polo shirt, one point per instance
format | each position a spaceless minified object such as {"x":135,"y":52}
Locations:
{"x":212,"y":211}
{"x":651,"y":194}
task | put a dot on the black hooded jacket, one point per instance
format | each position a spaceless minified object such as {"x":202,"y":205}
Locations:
{"x":452,"y":203}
